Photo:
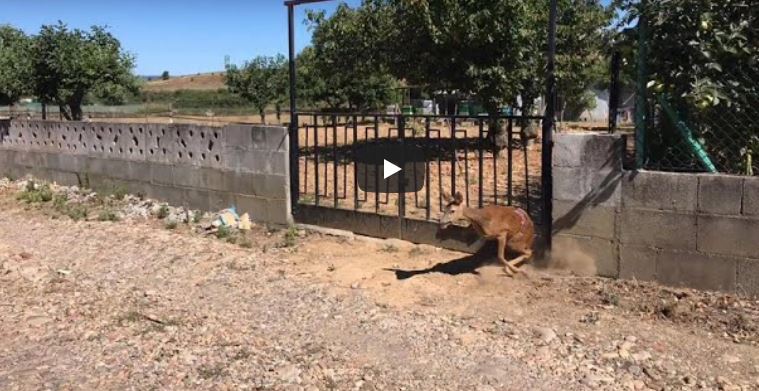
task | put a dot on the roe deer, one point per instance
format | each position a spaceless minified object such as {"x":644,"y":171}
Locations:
{"x":512,"y":226}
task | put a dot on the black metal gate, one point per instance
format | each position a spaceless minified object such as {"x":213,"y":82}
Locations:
{"x":489,"y":160}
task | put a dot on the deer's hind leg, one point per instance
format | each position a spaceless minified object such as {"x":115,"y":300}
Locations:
{"x":507,"y":267}
{"x":526,"y":256}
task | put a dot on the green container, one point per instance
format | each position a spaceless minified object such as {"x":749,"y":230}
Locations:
{"x":464,"y":108}
{"x":407,"y":110}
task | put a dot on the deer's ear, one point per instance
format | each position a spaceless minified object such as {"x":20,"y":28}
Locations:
{"x":447,"y":197}
{"x":458,"y":197}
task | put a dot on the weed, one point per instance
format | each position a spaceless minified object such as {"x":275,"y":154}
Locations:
{"x":245,"y":242}
{"x":291,"y":237}
{"x":416,"y":251}
{"x":210,"y":372}
{"x":77,"y":212}
{"x":34,"y":194}
{"x":241,"y":355}
{"x":59,"y":202}
{"x":223,"y":232}
{"x":197,"y":216}
{"x":389,"y":248}
{"x":307,"y":199}
{"x":108,"y":215}
{"x":232,"y":239}
{"x":119,"y":192}
{"x":163,"y":212}
{"x":171,"y":225}
{"x":610,"y":299}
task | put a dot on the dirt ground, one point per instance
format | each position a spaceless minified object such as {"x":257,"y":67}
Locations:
{"x":132,"y":304}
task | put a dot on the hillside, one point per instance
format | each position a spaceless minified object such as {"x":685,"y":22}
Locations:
{"x":202,"y":82}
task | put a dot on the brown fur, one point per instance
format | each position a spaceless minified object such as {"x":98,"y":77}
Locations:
{"x":511,"y":226}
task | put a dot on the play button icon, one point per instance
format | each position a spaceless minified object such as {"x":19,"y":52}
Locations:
{"x":390,"y":166}
{"x":388,"y":169}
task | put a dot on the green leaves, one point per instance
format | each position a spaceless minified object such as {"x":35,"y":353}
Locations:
{"x":15,"y":65}
{"x":262,"y":81}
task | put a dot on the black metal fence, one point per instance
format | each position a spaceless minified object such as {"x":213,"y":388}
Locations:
{"x":489,"y":160}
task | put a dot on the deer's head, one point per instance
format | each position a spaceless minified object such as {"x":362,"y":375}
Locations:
{"x":452,"y":209}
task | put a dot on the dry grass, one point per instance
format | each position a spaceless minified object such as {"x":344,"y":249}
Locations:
{"x":205,"y":82}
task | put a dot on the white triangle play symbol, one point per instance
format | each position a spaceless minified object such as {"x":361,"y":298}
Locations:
{"x":388,"y":169}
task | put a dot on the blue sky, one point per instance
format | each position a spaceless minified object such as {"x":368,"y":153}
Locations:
{"x":181,"y":36}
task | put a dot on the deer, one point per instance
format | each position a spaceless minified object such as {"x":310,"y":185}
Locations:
{"x":511,"y":226}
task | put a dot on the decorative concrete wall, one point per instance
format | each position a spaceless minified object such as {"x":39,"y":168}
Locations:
{"x":202,"y":167}
{"x":695,"y":230}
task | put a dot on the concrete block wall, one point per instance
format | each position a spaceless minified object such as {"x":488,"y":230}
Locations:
{"x":202,"y":167}
{"x":681,"y":229}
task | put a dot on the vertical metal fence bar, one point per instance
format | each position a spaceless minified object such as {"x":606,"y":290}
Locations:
{"x":427,"y":205}
{"x":345,"y":165}
{"x":494,"y":122}
{"x":305,"y":164}
{"x":402,"y":174}
{"x":453,"y":156}
{"x":316,"y":160}
{"x":353,"y":159}
{"x":376,"y":168}
{"x":526,"y":175}
{"x":466,"y":167}
{"x":334,"y":158}
{"x":480,"y":147}
{"x":510,"y":156}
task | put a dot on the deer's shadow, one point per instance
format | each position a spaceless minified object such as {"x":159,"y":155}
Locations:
{"x":465,"y":265}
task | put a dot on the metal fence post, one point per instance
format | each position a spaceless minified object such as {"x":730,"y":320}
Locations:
{"x":293,"y":132}
{"x":641,"y":100}
{"x":548,"y":125}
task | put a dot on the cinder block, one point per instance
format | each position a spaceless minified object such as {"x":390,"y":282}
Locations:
{"x":275,"y":186}
{"x":246,"y":183}
{"x":660,"y":190}
{"x":586,"y":254}
{"x":277,"y":139}
{"x":638,"y":262}
{"x":661,"y":229}
{"x":584,"y":219}
{"x":279,"y":212}
{"x":751,"y":196}
{"x":238,"y":136}
{"x":697,"y":270}
{"x":197,"y":199}
{"x":168,"y":194}
{"x":218,"y":200}
{"x":589,"y":186}
{"x":737,"y":236}
{"x":256,"y":207}
{"x":162,"y":174}
{"x":590,"y":151}
{"x":720,"y":194}
{"x":748,"y":276}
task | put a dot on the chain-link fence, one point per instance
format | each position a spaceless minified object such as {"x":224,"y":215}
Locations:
{"x":714,"y":133}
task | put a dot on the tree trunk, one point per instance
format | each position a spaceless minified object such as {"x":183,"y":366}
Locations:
{"x":44,"y":111}
{"x":279,"y":112}
{"x":76,"y":111}
{"x":262,"y":113}
{"x":63,"y":110}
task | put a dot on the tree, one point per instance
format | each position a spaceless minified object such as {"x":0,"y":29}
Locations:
{"x":704,"y":56}
{"x":71,"y":64}
{"x":15,"y":65}
{"x":581,"y":53}
{"x":258,"y":81}
{"x":344,"y":58}
{"x":165,"y":75}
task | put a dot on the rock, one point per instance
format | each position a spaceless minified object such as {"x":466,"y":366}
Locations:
{"x":730,"y":359}
{"x":641,"y":356}
{"x":289,"y":374}
{"x":545,"y":334}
